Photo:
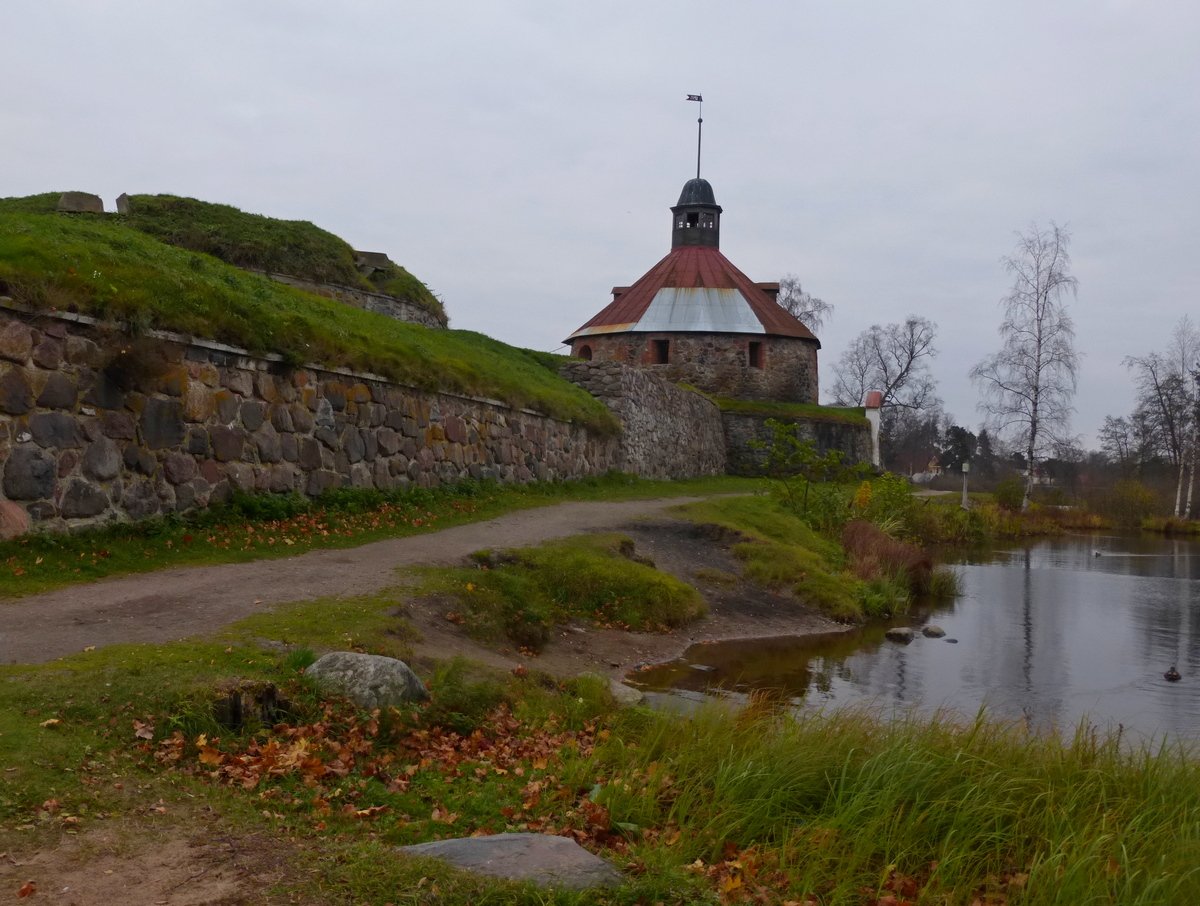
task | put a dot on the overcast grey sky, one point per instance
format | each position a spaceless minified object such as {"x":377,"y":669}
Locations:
{"x":520,"y":157}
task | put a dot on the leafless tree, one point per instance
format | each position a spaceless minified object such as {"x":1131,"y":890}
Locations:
{"x":811,"y":311}
{"x":1027,"y":386}
{"x":893,"y":359}
{"x":1167,"y":401}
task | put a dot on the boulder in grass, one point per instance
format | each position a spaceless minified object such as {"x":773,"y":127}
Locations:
{"x":541,"y":858}
{"x":369,"y":680}
{"x":625,"y":696}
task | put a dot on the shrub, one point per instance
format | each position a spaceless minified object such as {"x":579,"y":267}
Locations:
{"x":1129,"y":502}
{"x":875,"y":554}
{"x":1010,"y":494}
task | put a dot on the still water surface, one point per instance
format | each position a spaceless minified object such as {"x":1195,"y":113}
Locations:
{"x":1050,"y":633}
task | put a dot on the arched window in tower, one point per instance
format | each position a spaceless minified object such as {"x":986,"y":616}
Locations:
{"x":585,"y":352}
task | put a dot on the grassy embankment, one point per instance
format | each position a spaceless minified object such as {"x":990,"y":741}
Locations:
{"x":293,"y":247}
{"x":759,"y":807}
{"x":105,"y":268}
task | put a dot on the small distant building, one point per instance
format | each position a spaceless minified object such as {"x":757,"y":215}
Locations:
{"x":695,"y":318}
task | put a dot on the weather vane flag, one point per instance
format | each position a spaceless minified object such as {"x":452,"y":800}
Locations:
{"x":699,"y":128}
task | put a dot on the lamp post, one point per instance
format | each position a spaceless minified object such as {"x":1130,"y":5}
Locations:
{"x":966,"y":467}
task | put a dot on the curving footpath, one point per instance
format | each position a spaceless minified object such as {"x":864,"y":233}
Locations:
{"x":177,"y":603}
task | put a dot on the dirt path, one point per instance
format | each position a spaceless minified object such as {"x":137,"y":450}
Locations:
{"x":177,"y":603}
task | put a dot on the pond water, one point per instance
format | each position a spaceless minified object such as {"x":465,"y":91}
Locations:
{"x":1062,"y":630}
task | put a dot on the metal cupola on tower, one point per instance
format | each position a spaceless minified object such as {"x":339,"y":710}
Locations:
{"x":696,"y":217}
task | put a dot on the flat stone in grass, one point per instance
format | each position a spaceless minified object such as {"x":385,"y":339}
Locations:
{"x":541,"y":858}
{"x":368,"y":680}
{"x":625,"y":696}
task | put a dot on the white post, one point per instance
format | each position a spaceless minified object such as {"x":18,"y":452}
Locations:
{"x":966,"y":467}
{"x":873,"y":405}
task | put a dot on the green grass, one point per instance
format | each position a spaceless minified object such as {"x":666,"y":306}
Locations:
{"x":293,"y":247}
{"x":269,"y":526}
{"x":842,"y":807}
{"x":852,"y":415}
{"x":100,"y":267}
{"x":783,"y":551}
{"x":524,"y":593}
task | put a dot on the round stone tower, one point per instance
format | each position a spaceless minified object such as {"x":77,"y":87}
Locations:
{"x":697,"y":319}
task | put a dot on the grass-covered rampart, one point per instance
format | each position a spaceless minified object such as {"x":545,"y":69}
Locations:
{"x":294,"y":247}
{"x":845,"y":415}
{"x":104,"y":268}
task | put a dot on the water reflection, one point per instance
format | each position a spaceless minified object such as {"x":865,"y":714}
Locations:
{"x":1065,"y":629}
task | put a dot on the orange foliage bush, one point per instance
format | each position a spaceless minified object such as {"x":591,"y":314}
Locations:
{"x":875,"y":554}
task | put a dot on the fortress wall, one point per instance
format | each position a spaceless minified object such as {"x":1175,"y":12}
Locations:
{"x":97,"y":425}
{"x":853,"y":440}
{"x":668,"y":432}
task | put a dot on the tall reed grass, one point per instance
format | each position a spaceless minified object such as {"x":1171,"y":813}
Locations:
{"x":965,"y":812}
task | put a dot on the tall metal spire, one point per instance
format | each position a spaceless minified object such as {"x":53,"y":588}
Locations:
{"x":699,"y":128}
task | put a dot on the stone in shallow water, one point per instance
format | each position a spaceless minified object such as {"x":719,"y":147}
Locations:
{"x":933,"y":631}
{"x":541,"y":858}
{"x":900,"y":634}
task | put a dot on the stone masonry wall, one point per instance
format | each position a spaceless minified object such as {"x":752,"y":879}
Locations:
{"x":854,"y":440}
{"x":668,"y":432}
{"x":95,"y":425}
{"x":379,"y":303}
{"x":718,"y":363}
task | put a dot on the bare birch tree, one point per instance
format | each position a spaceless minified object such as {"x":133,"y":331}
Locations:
{"x":807,"y":308}
{"x":1027,"y":387}
{"x":893,"y":359}
{"x":1167,"y":403}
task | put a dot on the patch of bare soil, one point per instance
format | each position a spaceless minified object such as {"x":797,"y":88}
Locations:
{"x":697,"y":554}
{"x":150,"y":865}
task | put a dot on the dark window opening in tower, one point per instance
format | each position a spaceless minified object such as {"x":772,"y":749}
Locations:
{"x":754,"y":355}
{"x":585,"y":353}
{"x":660,"y":351}
{"x":693,"y":219}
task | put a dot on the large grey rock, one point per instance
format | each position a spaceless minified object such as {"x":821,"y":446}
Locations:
{"x":102,"y":460}
{"x":80,"y":203}
{"x":933,"y":631}
{"x":625,"y":696}
{"x":16,"y":396}
{"x":54,"y":429}
{"x":82,"y":500}
{"x":29,"y":473}
{"x":59,"y":392}
{"x":900,"y":634}
{"x":16,"y":341}
{"x":368,"y":680}
{"x":123,"y":203}
{"x":541,"y":858}
{"x":162,"y":423}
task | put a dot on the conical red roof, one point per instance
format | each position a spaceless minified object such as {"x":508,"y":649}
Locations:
{"x":694,"y":289}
